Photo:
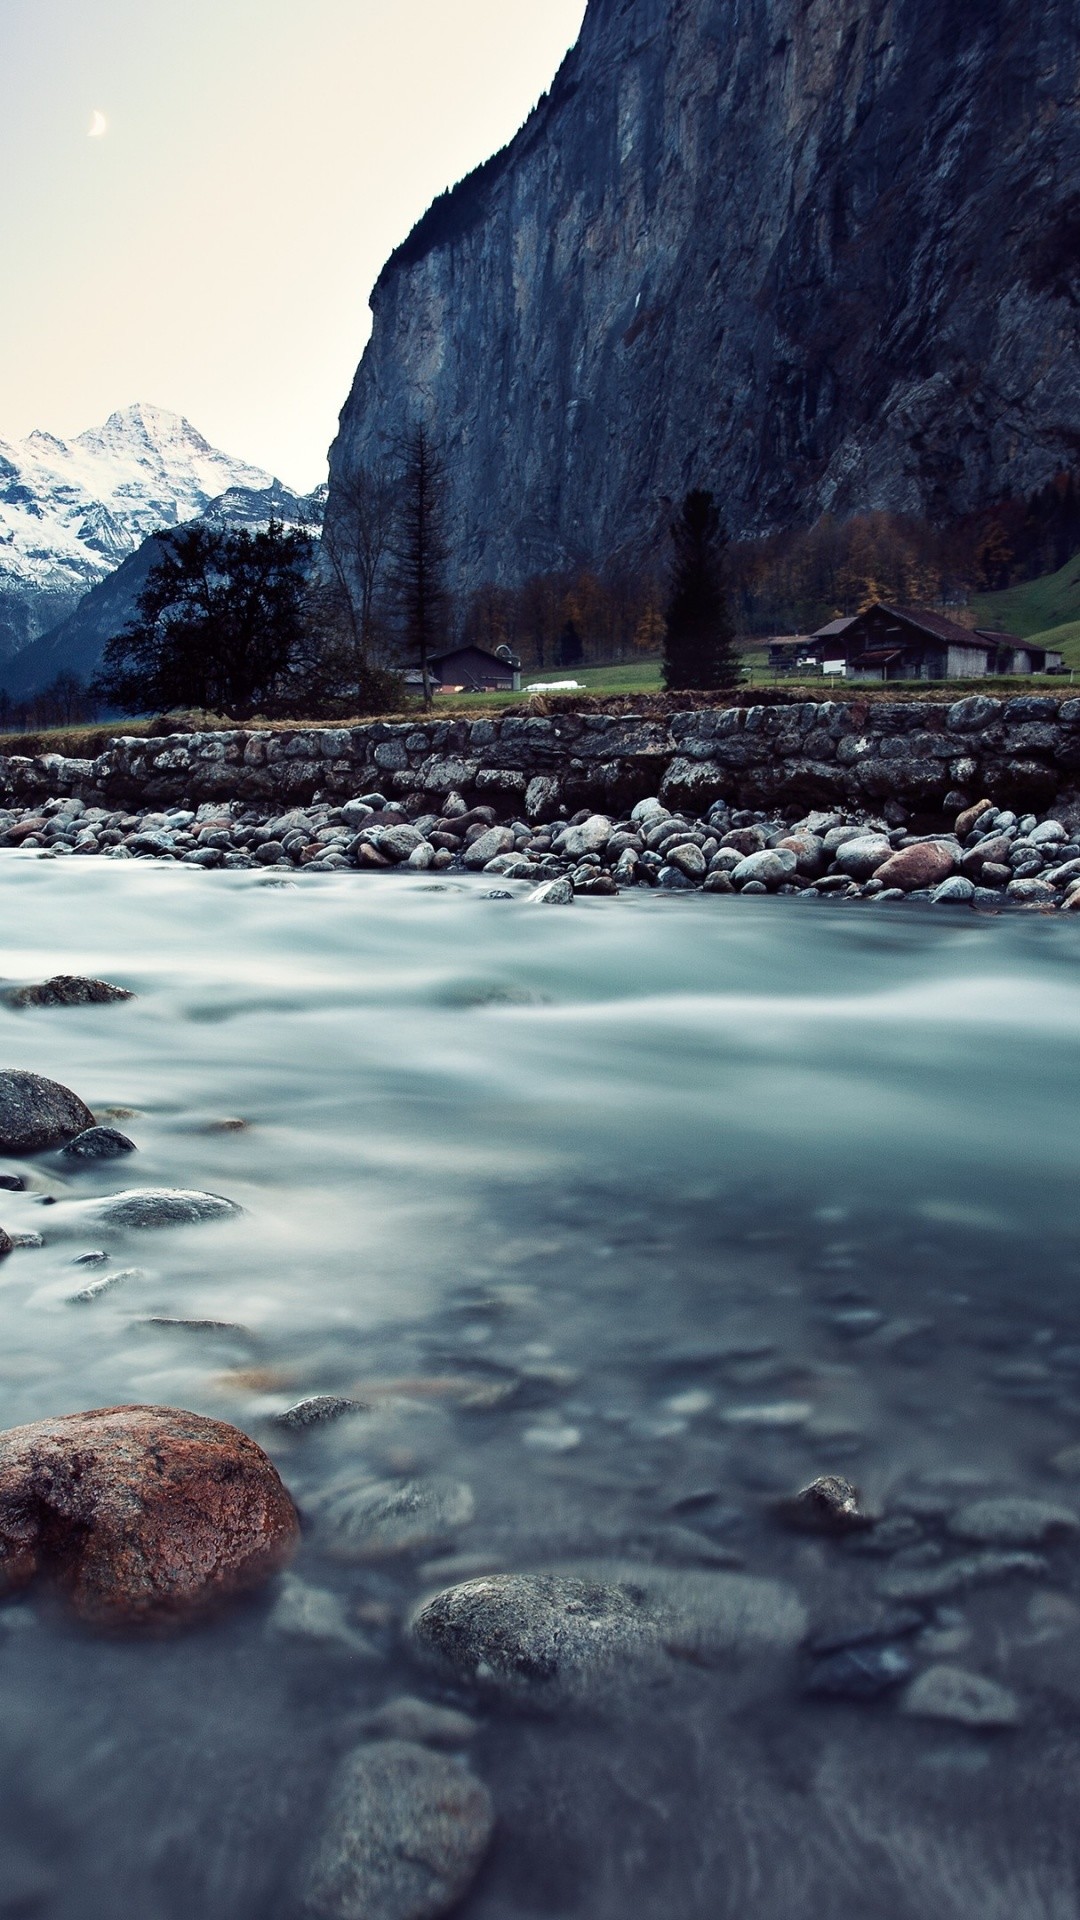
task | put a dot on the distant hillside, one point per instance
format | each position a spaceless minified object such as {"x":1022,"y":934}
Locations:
{"x":1036,"y":606}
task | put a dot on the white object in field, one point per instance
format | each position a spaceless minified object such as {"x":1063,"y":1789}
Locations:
{"x":555,"y":686}
{"x":834,"y":666}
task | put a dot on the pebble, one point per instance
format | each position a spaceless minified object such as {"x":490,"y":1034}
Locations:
{"x":318,"y":1411}
{"x":381,"y":1520}
{"x":409,"y":1718}
{"x":1013,"y":1522}
{"x":860,"y":1673}
{"x":829,"y":1505}
{"x":966,"y":1699}
{"x":988,"y":860}
{"x":314,"y":1614}
{"x":955,"y":1576}
{"x":404,"y":1835}
{"x":149,"y":1207}
{"x":98,"y":1143}
{"x":67,"y":990}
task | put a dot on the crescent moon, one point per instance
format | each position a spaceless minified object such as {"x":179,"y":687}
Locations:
{"x":99,"y":126}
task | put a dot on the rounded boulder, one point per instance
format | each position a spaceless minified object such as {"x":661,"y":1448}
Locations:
{"x":140,"y":1516}
{"x":926,"y":864}
{"x":36,"y":1114}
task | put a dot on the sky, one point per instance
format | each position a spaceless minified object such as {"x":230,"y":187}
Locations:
{"x":212,"y":250}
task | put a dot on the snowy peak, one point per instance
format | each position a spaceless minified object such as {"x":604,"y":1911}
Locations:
{"x":72,"y":510}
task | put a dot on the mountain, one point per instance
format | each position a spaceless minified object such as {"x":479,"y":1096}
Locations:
{"x":72,"y":510}
{"x":821,"y":255}
{"x":75,"y":643}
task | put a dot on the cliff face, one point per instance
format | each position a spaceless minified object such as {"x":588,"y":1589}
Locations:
{"x":817,"y":254}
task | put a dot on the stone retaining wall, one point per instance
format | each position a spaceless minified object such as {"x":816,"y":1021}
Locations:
{"x":1023,"y":751}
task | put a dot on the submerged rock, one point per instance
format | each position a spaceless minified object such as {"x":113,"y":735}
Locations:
{"x":98,"y":1143}
{"x":1013,"y":1522}
{"x":859,"y":1673}
{"x":161,"y":1207}
{"x":408,"y":1718}
{"x":553,"y":893}
{"x":314,"y":1614}
{"x":405,"y":1833}
{"x":967,"y":1699}
{"x":382,"y":1521}
{"x":532,"y":1638}
{"x":36,"y":1114}
{"x":141,"y":1516}
{"x":318,"y":1411}
{"x":7,"y":1244}
{"x":829,"y":1505}
{"x":68,"y":990}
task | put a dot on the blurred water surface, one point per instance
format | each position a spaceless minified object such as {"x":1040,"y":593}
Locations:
{"x":629,"y":1217}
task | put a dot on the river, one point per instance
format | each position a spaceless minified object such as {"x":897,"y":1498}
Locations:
{"x":629,"y":1219}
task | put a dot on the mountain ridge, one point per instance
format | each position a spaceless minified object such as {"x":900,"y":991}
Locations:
{"x":821,"y":255}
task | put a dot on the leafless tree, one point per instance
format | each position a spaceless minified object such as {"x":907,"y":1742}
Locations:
{"x":356,"y":540}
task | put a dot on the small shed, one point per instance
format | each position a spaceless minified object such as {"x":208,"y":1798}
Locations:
{"x":472,"y":669}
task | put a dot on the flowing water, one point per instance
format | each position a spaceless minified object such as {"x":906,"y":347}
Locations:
{"x":628,"y":1219}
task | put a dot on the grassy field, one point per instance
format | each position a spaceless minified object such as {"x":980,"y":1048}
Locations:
{"x":1046,"y":610}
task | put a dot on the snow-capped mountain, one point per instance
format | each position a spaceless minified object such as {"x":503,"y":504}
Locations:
{"x":72,"y":510}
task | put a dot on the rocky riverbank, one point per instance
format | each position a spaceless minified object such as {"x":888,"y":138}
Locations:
{"x":987,"y":858}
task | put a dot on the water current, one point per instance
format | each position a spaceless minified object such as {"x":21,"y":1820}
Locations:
{"x":628,"y":1219}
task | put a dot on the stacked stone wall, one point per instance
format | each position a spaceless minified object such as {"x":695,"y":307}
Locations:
{"x":1024,"y":751}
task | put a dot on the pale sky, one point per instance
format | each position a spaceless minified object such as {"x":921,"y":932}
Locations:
{"x":213,"y":251}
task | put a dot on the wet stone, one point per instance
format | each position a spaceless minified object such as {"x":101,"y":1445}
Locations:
{"x":320,"y":1411}
{"x":928,"y":1583}
{"x":379,"y":1520}
{"x":313,"y":1614}
{"x":860,"y":1673}
{"x":36,"y":1114}
{"x":404,"y":1835}
{"x":966,"y":1699}
{"x":829,"y":1505}
{"x":68,"y":990}
{"x":1013,"y":1522}
{"x":161,"y":1207}
{"x":409,"y":1718}
{"x":98,"y":1143}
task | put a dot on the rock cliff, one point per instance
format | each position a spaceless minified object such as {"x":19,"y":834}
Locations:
{"x":823,"y":255}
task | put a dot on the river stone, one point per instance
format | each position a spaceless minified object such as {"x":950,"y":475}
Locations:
{"x":591,"y":837}
{"x":957,"y":892}
{"x":488,"y":847}
{"x":397,"y":843}
{"x":829,"y":1505}
{"x":808,"y":850}
{"x":319,"y":1410}
{"x":381,"y":1520}
{"x":142,"y":1516}
{"x":929,"y":1583}
{"x":969,"y":1700}
{"x":533,"y":1639}
{"x":317,"y":1616}
{"x":7,"y":1244}
{"x":553,"y":893}
{"x":37,"y":1114}
{"x":859,"y":1673}
{"x":770,"y":868}
{"x":688,"y":858}
{"x":403,"y":1838}
{"x":145,"y":1207}
{"x":863,"y":856}
{"x":1013,"y":1522}
{"x":68,"y":990}
{"x":926,"y":864}
{"x":408,"y":1718}
{"x":98,"y":1143}
{"x":967,"y":821}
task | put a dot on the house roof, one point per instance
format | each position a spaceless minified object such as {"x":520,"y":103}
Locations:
{"x":935,"y":624}
{"x":835,"y":628}
{"x":469,"y":646}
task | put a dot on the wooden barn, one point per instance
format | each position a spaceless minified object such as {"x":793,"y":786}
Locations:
{"x":471,"y":670}
{"x":910,"y":643}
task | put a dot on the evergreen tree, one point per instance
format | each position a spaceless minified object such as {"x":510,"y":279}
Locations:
{"x":219,"y":624}
{"x":699,"y":650}
{"x":420,"y":553}
{"x":571,"y":648}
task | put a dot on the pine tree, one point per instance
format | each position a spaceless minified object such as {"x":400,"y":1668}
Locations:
{"x":420,"y":553}
{"x":700,"y":645}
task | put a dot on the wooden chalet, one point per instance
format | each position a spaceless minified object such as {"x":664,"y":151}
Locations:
{"x":910,"y":643}
{"x":471,"y":669}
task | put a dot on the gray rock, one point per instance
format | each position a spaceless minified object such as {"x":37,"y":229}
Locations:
{"x":108,"y":1284}
{"x":970,"y":715}
{"x":829,"y":1505}
{"x":769,"y":869}
{"x":1013,"y":1522}
{"x":533,"y":1638}
{"x":319,"y":1411}
{"x":955,"y":892}
{"x":553,"y":893}
{"x":966,"y":1699}
{"x":381,"y":1520}
{"x":7,"y":1244}
{"x":160,"y":1207}
{"x":408,"y":1718}
{"x":1030,"y":893}
{"x":68,"y":990}
{"x":98,"y":1143}
{"x":861,"y":857}
{"x":487,"y":847}
{"x":404,"y":1835}
{"x":314,"y":1614}
{"x":591,"y":837}
{"x":36,"y":1114}
{"x":921,"y":1584}
{"x":688,"y":858}
{"x":860,"y":1673}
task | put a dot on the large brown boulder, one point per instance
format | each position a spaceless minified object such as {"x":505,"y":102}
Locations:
{"x":37,"y":1114}
{"x":141,"y":1516}
{"x":924,"y":865}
